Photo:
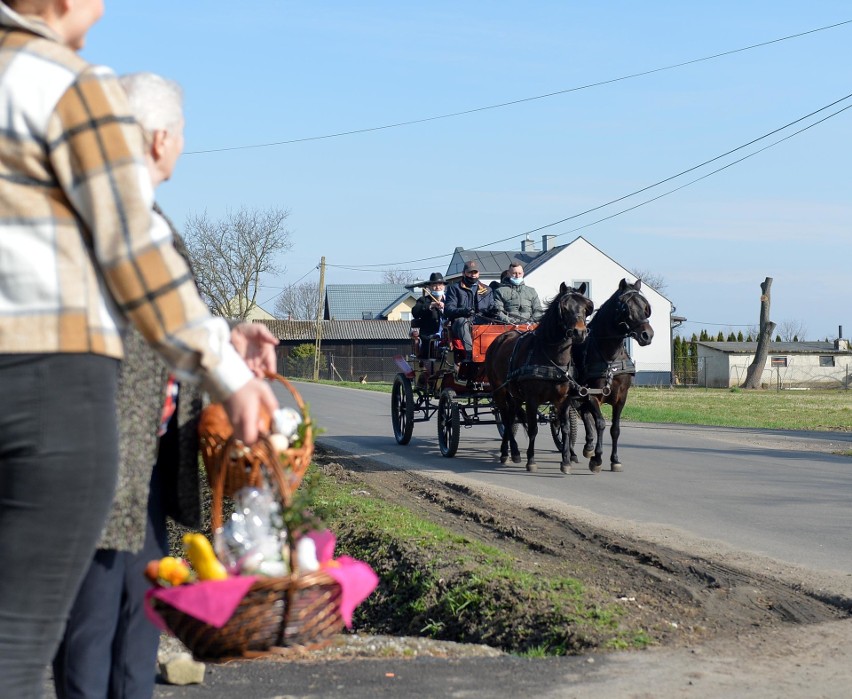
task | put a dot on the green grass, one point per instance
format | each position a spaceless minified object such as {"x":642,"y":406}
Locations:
{"x":770,"y":409}
{"x":783,"y":410}
{"x":439,"y":584}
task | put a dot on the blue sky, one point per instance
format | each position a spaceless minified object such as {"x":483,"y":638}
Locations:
{"x":263,"y":72}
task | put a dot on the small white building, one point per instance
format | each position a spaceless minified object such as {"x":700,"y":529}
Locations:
{"x":574,"y":263}
{"x":788,"y":364}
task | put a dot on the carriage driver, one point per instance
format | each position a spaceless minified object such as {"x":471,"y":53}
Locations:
{"x":468,"y":301}
{"x":514,"y":301}
{"x":428,"y":312}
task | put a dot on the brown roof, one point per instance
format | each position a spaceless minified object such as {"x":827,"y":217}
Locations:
{"x":339,"y":329}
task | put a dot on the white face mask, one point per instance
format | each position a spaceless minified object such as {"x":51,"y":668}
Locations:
{"x":516,"y":280}
{"x":438,"y":293}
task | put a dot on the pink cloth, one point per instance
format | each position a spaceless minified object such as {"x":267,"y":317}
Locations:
{"x":356,"y":579}
{"x":212,"y":601}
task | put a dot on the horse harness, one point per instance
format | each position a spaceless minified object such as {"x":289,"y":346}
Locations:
{"x":528,"y":371}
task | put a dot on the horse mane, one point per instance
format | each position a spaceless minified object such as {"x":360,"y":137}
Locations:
{"x":551,"y":319}
{"x":605,"y":309}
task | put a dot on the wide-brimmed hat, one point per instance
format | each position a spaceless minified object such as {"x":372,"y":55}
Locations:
{"x":436,"y":278}
{"x":471,"y":266}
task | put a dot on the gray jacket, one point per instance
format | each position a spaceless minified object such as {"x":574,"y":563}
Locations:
{"x":516,"y":303}
{"x":139,"y":401}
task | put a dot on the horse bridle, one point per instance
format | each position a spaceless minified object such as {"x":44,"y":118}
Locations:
{"x":562,"y":312}
{"x":623,"y":313}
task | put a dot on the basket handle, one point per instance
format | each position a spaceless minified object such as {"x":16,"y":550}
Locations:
{"x":264,"y":458}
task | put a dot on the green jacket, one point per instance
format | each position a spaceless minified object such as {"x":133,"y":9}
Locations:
{"x":516,"y":303}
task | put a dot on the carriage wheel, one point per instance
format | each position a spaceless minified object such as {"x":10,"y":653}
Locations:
{"x":448,"y":423}
{"x":402,"y":409}
{"x":556,"y":432}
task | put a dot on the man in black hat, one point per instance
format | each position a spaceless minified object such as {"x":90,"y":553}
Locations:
{"x":428,"y":312}
{"x":468,"y":301}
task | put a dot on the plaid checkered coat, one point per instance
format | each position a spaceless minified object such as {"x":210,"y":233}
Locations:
{"x":80,"y":248}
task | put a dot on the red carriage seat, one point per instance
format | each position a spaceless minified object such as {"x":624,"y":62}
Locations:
{"x":484,"y":335}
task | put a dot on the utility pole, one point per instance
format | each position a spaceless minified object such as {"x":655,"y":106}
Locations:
{"x":320,"y":305}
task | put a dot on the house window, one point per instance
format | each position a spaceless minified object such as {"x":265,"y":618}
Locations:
{"x":366,"y":315}
{"x":826,"y":361}
{"x":778,"y":361}
{"x":405,"y":315}
{"x":576,"y":284}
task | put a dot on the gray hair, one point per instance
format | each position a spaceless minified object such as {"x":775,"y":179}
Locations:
{"x":156,"y":102}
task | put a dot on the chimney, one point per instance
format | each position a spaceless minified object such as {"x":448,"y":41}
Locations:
{"x":528,"y":245}
{"x":547,"y":242}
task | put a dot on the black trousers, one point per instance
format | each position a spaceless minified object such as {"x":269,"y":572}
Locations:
{"x":110,"y":648}
{"x":58,"y":458}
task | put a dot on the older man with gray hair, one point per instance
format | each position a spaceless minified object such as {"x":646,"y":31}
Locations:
{"x":109,"y":648}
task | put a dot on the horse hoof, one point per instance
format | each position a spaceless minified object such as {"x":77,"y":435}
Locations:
{"x":594,"y":468}
{"x":588,"y":453}
{"x":565,"y":468}
{"x":516,"y":459}
{"x":574,"y":459}
{"x":504,"y":459}
{"x":532,"y":467}
{"x":616,"y":467}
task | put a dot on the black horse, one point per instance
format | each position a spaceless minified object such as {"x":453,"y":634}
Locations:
{"x":529,"y":369}
{"x":605,"y":370}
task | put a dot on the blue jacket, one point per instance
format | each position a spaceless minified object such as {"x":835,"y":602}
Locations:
{"x":461,"y":298}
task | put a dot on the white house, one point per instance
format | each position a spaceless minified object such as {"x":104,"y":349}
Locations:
{"x":574,"y":263}
{"x":788,"y":364}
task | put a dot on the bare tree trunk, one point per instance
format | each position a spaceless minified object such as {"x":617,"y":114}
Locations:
{"x":755,"y":370}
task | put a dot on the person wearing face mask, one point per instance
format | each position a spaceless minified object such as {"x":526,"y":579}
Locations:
{"x":514,"y":301}
{"x":428,"y":312}
{"x":468,"y":301}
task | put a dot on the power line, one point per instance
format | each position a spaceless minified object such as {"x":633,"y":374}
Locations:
{"x":286,"y":288}
{"x":371,"y":267}
{"x":522,"y":100}
{"x":712,"y":172}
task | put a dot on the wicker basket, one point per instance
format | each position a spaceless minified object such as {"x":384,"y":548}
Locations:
{"x":276,"y":613}
{"x":231,"y":466}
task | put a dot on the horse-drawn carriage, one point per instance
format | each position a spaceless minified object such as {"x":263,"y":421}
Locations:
{"x":545,"y":373}
{"x":441,"y":381}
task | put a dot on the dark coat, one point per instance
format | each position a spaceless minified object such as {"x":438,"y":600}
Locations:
{"x":462,"y":298}
{"x":428,"y":319}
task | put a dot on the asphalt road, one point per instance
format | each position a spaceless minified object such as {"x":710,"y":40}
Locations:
{"x":759,"y":491}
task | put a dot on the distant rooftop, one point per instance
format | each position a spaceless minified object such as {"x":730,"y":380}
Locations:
{"x":362,"y":301}
{"x":306,"y":330}
{"x":775,"y":347}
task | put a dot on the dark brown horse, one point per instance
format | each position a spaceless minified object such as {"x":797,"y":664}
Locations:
{"x":529,"y":369}
{"x":603,"y":366}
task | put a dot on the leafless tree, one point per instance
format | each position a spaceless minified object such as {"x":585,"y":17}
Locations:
{"x":652,"y":279}
{"x":298,"y":302}
{"x":791,"y":330}
{"x":755,"y":369}
{"x":398,"y":276}
{"x":230,"y":255}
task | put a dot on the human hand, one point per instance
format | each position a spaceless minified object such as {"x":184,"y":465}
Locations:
{"x":244,"y":409}
{"x":257,"y":346}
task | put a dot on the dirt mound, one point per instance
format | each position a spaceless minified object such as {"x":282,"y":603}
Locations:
{"x":657,"y":596}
